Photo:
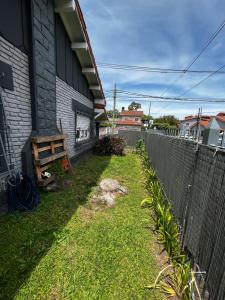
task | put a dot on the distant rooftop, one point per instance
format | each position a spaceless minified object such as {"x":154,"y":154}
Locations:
{"x":133,"y":113}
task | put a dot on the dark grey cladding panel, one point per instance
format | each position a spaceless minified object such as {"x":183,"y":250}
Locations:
{"x":68,"y":67}
{"x":44,"y":66}
{"x":79,"y":107}
{"x":14,"y":23}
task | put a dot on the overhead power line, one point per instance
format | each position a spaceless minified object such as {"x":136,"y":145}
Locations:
{"x":153,"y":70}
{"x":202,"y":80}
{"x":209,"y":41}
{"x":134,"y":95}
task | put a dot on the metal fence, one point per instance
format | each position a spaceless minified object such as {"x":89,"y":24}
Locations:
{"x":193,"y":178}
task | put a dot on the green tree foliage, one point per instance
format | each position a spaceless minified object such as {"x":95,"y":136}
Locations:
{"x":134,"y":106}
{"x":167,"y":119}
{"x":146,"y":118}
{"x":110,"y":113}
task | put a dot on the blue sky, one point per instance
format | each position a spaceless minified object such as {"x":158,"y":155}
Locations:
{"x":158,"y":33}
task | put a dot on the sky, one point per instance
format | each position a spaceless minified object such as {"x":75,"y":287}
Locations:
{"x":158,"y":33}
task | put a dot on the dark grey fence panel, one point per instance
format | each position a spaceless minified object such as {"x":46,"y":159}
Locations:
{"x":131,"y":137}
{"x":193,"y":178}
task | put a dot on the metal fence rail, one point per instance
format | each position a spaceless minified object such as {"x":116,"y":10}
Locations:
{"x":193,"y":178}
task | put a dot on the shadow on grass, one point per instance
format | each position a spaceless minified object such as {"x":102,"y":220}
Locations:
{"x":26,"y":238}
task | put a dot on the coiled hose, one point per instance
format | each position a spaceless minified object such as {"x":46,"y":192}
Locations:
{"x":22,"y":194}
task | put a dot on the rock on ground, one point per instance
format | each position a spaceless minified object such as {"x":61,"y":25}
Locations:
{"x":109,"y":189}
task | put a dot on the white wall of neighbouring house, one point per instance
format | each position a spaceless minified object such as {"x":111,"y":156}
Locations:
{"x":65,"y":95}
{"x":137,"y":119}
{"x":221,"y":124}
{"x":17,"y":103}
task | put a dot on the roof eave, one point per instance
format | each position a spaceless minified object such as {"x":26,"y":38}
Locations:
{"x":72,"y":18}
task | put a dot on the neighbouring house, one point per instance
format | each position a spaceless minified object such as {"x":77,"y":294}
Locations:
{"x":220,"y":118}
{"x":200,"y":126}
{"x":214,"y":133}
{"x":48,"y":79}
{"x":188,"y":123}
{"x":105,"y":128}
{"x":130,"y":120}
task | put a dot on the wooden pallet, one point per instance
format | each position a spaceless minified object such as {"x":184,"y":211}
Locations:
{"x":46,"y":150}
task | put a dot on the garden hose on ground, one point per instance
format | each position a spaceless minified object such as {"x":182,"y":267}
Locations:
{"x":22,"y":194}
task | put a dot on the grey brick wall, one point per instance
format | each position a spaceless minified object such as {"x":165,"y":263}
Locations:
{"x":18,"y":101}
{"x":44,"y":61}
{"x":64,"y":96}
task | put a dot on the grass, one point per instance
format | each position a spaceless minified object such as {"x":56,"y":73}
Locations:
{"x":64,"y":250}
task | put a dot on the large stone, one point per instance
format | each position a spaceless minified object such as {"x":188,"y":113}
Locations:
{"x":109,"y":185}
{"x":108,"y":199}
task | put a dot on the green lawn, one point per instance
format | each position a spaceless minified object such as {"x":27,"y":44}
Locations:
{"x":64,"y":250}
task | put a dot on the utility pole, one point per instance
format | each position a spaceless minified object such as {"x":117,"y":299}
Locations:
{"x":149,"y":111}
{"x":198,"y":124}
{"x":114,"y":107}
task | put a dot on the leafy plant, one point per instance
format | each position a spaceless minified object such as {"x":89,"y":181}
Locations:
{"x":110,"y":145}
{"x":147,"y":202}
{"x":181,"y":281}
{"x":140,"y":147}
{"x":57,"y":170}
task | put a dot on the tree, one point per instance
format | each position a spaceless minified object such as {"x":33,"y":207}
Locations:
{"x":146,"y":118}
{"x":167,"y":119}
{"x":134,"y":106}
{"x":110,"y":113}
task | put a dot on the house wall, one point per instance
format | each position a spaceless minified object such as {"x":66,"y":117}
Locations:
{"x":221,"y":124}
{"x":68,"y":67}
{"x":103,"y":131}
{"x":138,"y":119}
{"x":39,"y":98}
{"x":17,"y":105}
{"x":65,"y":95}
{"x":44,"y":67}
{"x":194,"y":130}
{"x":185,"y":125}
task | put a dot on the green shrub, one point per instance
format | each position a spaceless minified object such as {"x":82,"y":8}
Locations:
{"x":110,"y":145}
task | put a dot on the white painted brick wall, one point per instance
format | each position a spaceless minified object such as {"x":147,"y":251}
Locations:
{"x":17,"y":102}
{"x":64,"y":96}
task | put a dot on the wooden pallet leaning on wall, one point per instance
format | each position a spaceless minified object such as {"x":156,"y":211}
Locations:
{"x":46,"y":150}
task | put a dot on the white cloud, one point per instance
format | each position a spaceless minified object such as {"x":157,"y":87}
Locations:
{"x":158,"y":34}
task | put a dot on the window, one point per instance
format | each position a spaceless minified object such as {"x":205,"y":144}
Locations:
{"x":83,"y":127}
{"x":136,"y":119}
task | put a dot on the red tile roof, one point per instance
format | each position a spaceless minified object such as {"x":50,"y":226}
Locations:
{"x":133,"y":113}
{"x":203,"y":123}
{"x":129,"y":122}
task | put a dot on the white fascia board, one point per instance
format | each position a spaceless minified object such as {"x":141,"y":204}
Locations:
{"x":99,"y":110}
{"x":89,"y":70}
{"x":64,"y":6}
{"x":95,"y":87}
{"x":82,"y":45}
{"x":100,"y":101}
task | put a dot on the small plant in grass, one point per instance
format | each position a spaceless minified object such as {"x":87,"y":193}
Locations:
{"x":110,"y":145}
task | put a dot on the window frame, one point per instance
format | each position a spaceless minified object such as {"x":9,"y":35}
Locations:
{"x":84,"y":110}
